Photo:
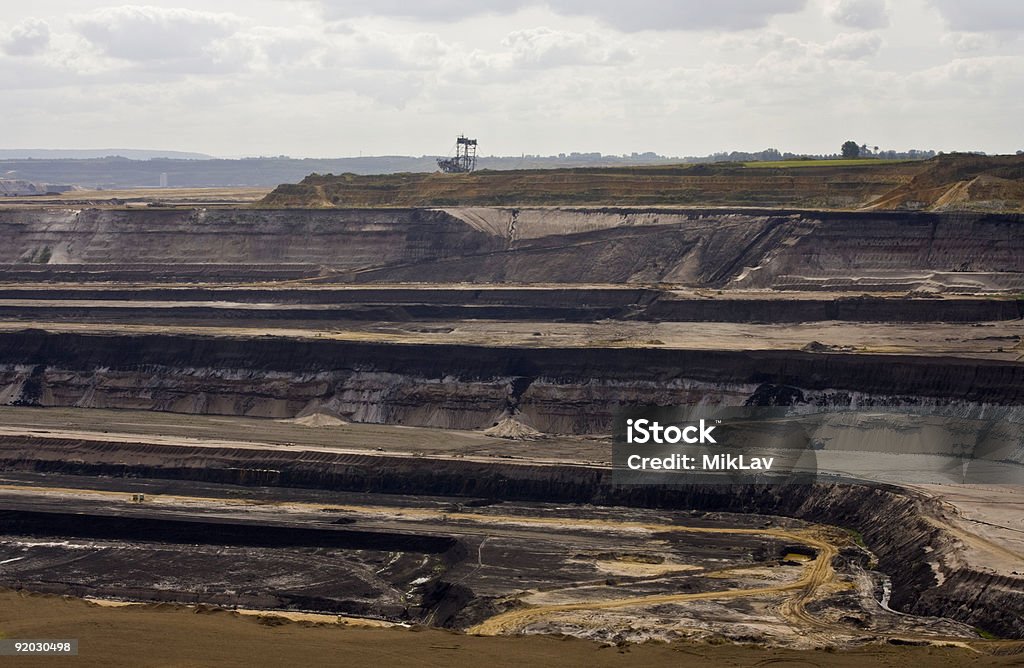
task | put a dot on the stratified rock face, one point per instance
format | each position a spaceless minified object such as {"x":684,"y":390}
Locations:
{"x":565,"y":391}
{"x":337,"y":239}
{"x":699,"y":248}
{"x":972,"y":253}
{"x":807,"y":251}
{"x":553,"y":390}
{"x":924,"y":561}
{"x":961,"y":183}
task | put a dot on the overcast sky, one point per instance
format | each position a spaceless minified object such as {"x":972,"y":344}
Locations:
{"x":679,"y":77}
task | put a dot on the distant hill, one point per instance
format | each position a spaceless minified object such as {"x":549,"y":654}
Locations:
{"x":109,"y":172}
{"x":130,"y":170}
{"x":947,"y":183}
{"x":88,"y":153}
{"x":723,"y":184}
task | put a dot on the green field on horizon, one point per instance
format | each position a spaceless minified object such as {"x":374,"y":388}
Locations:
{"x":849,"y":162}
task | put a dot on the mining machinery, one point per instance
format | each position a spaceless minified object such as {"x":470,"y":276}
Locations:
{"x":464,"y":160}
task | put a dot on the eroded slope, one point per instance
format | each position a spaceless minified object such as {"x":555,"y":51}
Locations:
{"x":700,"y":248}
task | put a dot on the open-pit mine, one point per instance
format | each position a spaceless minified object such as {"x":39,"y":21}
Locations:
{"x":402,"y":416}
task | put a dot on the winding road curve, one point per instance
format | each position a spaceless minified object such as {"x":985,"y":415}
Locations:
{"x":818,"y":573}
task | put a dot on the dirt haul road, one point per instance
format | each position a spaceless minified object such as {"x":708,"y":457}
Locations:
{"x":817,"y":574}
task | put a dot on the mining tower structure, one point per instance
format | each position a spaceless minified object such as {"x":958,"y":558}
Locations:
{"x":464,"y":160}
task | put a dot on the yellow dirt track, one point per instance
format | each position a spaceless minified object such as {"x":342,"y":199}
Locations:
{"x":817,"y":573}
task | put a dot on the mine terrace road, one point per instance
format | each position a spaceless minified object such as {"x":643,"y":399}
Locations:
{"x":818,"y":573}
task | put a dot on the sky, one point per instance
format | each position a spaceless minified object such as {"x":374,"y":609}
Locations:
{"x":330,"y":78}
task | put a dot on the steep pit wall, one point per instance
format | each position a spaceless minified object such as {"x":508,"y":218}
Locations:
{"x":852,"y":308}
{"x":967,"y":252}
{"x":692,"y":247}
{"x":189,"y":531}
{"x":604,"y":297}
{"x":166,"y":272}
{"x":520,"y":224}
{"x":314,"y":305}
{"x":557,"y":390}
{"x":750,"y":249}
{"x":337,"y":239}
{"x":441,"y":303}
{"x":925,"y":562}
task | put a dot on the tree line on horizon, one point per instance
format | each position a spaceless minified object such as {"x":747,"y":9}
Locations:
{"x":120,"y":172}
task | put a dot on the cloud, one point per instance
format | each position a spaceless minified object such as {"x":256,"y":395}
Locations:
{"x":635,"y":15}
{"x":142,"y":33}
{"x":276,"y":76}
{"x":352,"y":49}
{"x":374,"y":50}
{"x":852,"y":46}
{"x":971,"y":78}
{"x":864,"y":14}
{"x":968,"y":42}
{"x":777,"y":47}
{"x":538,"y":55}
{"x":436,"y":10}
{"x":627,"y":16}
{"x":28,"y":38}
{"x":547,"y":48}
{"x":982,"y":15}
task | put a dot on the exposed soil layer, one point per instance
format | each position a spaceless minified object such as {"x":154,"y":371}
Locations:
{"x":749,"y":249}
{"x":923,"y":560}
{"x":440,"y":303}
{"x":232,"y":561}
{"x":42,"y":524}
{"x":422,"y":560}
{"x":539,"y":323}
{"x":130,"y":272}
{"x":946,"y":182}
{"x":961,"y":182}
{"x":559,"y":390}
{"x":203,"y":636}
{"x":673,"y":185}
